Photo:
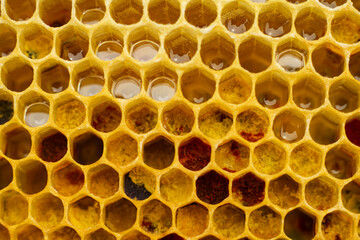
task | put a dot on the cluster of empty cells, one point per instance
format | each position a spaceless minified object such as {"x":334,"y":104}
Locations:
{"x":168,"y":119}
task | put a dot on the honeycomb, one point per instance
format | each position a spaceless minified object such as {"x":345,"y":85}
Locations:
{"x":179,"y":119}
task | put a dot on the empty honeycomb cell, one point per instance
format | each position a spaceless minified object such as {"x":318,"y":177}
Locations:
{"x":306,"y":160}
{"x":341,"y":161}
{"x":284,"y":192}
{"x":192,"y":219}
{"x":16,"y":142}
{"x":64,"y":233}
{"x":291,"y":55}
{"x":31,"y":176}
{"x":310,"y":23}
{"x":51,"y":145}
{"x":180,"y":45}
{"x":232,"y":156}
{"x":14,"y":207}
{"x":159,"y":152}
{"x":103,"y":181}
{"x":8,"y":39}
{"x":100,"y":234}
{"x":141,"y":117}
{"x":325,"y":128}
{"x":309,"y":92}
{"x":194,"y":154}
{"x":29,"y":232}
{"x":217,"y":51}
{"x":155,"y":217}
{"x":69,"y":112}
{"x":350,"y":196}
{"x":126,"y":11}
{"x":17,"y":74}
{"x":122,"y":149}
{"x":275,"y":20}
{"x":90,"y":12}
{"x":172,"y":236}
{"x":6,"y":173}
{"x":47,"y":210}
{"x":84,"y":213}
{"x":135,"y":235}
{"x":72,"y":43}
{"x":67,"y":178}
{"x":275,"y":96}
{"x":252,"y":124}
{"x":139,"y":183}
{"x":289,"y":126}
{"x":212,"y":187}
{"x":55,"y":14}
{"x":264,"y":222}
{"x":164,"y":11}
{"x":125,"y":81}
{"x":270,"y":158}
{"x":144,"y":43}
{"x":89,"y":79}
{"x":106,"y":116}
{"x":20,"y":10}
{"x":321,"y":193}
{"x":33,"y":109}
{"x":328,"y":60}
{"x":332,"y":3}
{"x":345,"y":28}
{"x":300,"y":225}
{"x":178,"y":119}
{"x":354,"y":64}
{"x":53,"y":77}
{"x":4,"y":232}
{"x":6,"y":107}
{"x":107,"y":42}
{"x":200,"y":13}
{"x":255,"y":54}
{"x":229,"y":221}
{"x":344,"y":95}
{"x":235,"y":87}
{"x":214,"y":122}
{"x":248,"y":189}
{"x":36,"y":42}
{"x":87,"y":148}
{"x":172,"y":183}
{"x":352,"y":130}
{"x":337,"y":225}
{"x":237,"y":17}
{"x":120,"y":215}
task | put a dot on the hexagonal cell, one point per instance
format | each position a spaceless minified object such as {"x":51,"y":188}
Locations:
{"x":300,"y":225}
{"x":248,"y":190}
{"x":212,"y":187}
{"x":87,"y":148}
{"x":289,"y":126}
{"x":284,"y":192}
{"x":172,"y":236}
{"x":69,"y":112}
{"x":47,"y":210}
{"x":52,"y":145}
{"x":237,"y":17}
{"x":270,"y":158}
{"x":155,"y":217}
{"x":159,"y":152}
{"x":261,"y":217}
{"x":352,"y":130}
{"x":72,"y":43}
{"x":275,"y":96}
{"x":310,"y":23}
{"x":135,"y":235}
{"x":36,"y":42}
{"x":15,"y":142}
{"x":6,"y":107}
{"x":309,"y":92}
{"x":178,"y":119}
{"x":20,"y":10}
{"x":28,"y":232}
{"x":197,"y":86}
{"x":31,"y":176}
{"x":105,"y":116}
{"x":344,"y":95}
{"x":120,"y":215}
{"x":292,"y":55}
{"x":200,"y":14}
{"x":325,"y":128}
{"x":90,"y":12}
{"x":139,"y":183}
{"x":180,"y":45}
{"x":192,"y":219}
{"x":8,"y":39}
{"x":103,"y":181}
{"x":126,"y":11}
{"x":14,"y":207}
{"x":89,"y":78}
{"x":194,"y":154}
{"x":144,"y":43}
{"x":328,"y":60}
{"x":141,"y":117}
{"x":164,"y":11}
{"x":306,"y":160}
{"x":6,"y":173}
{"x":255,"y":54}
{"x":67,"y":178}
{"x":54,"y":77}
{"x":337,"y":224}
{"x":350,"y":196}
{"x":106,"y":41}
{"x":55,"y":14}
{"x":345,"y":28}
{"x":4,"y":232}
{"x":214,"y":122}
{"x":341,"y":162}
{"x":33,"y":109}
{"x":235,"y":87}
{"x":100,"y":234}
{"x":252,"y":124}
{"x":321,"y":193}
{"x":232,"y":156}
{"x":122,"y":149}
{"x":64,"y":233}
{"x":332,"y":3}
{"x":17,"y":74}
{"x":173,"y":182}
{"x":275,"y":20}
{"x":229,"y":221}
{"x":84,"y":213}
{"x":217,"y":51}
